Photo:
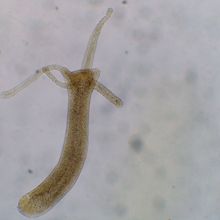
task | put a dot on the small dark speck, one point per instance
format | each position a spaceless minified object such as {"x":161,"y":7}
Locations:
{"x":173,"y":186}
{"x":30,"y":171}
{"x":161,"y":172}
{"x":159,"y":203}
{"x":112,"y":177}
{"x":126,"y":52}
{"x":191,"y":77}
{"x":57,"y":8}
{"x":124,"y":2}
{"x":26,"y":43}
{"x":137,"y":144}
{"x":120,"y":210}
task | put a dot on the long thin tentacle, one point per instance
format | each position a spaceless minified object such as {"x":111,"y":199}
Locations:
{"x":91,"y":47}
{"x":108,"y":94}
{"x":63,"y":70}
{"x":45,"y":70}
{"x":12,"y":92}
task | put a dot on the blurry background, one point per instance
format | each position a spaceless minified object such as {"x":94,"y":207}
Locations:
{"x":156,"y":158}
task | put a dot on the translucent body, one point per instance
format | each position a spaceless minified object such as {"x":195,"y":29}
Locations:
{"x":80,"y":85}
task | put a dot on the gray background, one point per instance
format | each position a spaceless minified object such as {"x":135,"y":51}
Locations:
{"x":156,"y":158}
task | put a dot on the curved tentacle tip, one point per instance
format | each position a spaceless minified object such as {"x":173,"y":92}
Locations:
{"x":119,"y":103}
{"x":109,"y":12}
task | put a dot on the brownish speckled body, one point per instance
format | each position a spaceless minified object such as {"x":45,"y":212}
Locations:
{"x":80,"y":85}
{"x":59,"y":182}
